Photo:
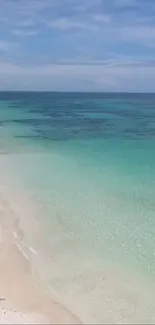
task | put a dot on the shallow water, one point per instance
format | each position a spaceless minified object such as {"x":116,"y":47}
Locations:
{"x":86,"y":161}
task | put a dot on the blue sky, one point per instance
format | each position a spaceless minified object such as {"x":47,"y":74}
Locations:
{"x":83,"y":45}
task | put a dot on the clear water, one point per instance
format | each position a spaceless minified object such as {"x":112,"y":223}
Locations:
{"x":87,"y":162}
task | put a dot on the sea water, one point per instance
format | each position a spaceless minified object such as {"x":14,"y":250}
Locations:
{"x":87,"y":162}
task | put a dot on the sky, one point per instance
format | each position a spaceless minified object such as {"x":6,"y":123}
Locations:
{"x":77,"y":45}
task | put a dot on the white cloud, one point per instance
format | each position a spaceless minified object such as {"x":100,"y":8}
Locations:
{"x":66,"y":23}
{"x":31,"y":6}
{"x":26,"y":23}
{"x":140,"y":33}
{"x":6,"y":46}
{"x":92,"y":30}
{"x":102,"y":18}
{"x":64,"y":77}
{"x":24,"y":32}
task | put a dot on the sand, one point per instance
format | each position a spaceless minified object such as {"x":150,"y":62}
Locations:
{"x":23,"y":297}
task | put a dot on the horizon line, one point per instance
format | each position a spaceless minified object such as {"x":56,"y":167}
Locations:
{"x":76,"y":91}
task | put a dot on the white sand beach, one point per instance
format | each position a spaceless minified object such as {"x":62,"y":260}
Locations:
{"x":23,"y":298}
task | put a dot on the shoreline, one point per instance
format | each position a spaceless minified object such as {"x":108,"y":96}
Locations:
{"x":23,"y":296}
{"x":108,"y":295}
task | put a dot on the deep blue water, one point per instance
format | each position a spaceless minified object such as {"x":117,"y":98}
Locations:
{"x":64,"y":116}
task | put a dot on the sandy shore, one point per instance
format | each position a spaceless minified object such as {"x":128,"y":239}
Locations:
{"x":23,"y":298}
{"x":107,"y":295}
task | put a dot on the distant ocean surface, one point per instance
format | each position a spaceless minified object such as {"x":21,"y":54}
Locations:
{"x":87,"y":162}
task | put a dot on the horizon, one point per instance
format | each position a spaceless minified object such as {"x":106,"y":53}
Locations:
{"x":77,"y":45}
{"x":76,"y":92}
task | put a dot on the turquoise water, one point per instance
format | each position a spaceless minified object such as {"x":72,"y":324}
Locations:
{"x":87,"y":163}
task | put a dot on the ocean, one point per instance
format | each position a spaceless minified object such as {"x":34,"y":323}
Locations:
{"x":80,"y":172}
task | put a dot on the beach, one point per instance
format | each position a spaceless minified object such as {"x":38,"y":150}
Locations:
{"x":23,"y":297}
